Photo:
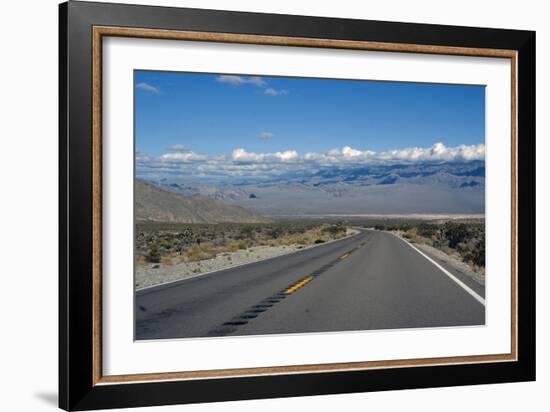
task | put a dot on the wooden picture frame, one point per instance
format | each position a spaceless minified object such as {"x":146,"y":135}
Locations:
{"x":83,"y":385}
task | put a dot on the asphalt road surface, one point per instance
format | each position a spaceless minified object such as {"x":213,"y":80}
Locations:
{"x":373,"y":280}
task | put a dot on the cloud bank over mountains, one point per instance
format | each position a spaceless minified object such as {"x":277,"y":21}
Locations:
{"x":436,"y":153}
{"x":242,"y":164}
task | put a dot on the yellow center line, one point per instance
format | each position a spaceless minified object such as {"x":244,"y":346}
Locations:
{"x":344,"y":256}
{"x":298,"y":285}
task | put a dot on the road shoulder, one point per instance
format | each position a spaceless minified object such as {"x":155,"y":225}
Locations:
{"x":457,"y":268}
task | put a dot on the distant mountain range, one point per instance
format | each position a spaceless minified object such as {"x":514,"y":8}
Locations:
{"x":457,"y":187}
{"x":155,"y":204}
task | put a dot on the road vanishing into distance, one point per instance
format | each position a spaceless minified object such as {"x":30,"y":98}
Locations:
{"x":372,"y":280}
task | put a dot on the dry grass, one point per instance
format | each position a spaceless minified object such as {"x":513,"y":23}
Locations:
{"x":209,"y":250}
{"x":167,"y":260}
{"x":412,"y":236}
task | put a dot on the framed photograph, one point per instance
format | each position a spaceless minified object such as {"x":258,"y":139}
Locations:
{"x":257,"y":205}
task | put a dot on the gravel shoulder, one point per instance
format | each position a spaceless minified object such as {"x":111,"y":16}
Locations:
{"x":157,"y":274}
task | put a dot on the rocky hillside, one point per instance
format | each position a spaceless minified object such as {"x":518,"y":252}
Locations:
{"x":153,"y":204}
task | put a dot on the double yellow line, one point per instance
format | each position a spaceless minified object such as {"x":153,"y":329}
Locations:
{"x":307,"y":279}
{"x":298,"y":285}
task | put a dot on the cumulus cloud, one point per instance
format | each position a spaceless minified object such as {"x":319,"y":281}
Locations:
{"x":266,"y":135}
{"x":147,"y":88}
{"x":235,"y":80}
{"x":240,"y":80}
{"x":241,"y":163}
{"x":242,"y":156}
{"x":272,"y":92}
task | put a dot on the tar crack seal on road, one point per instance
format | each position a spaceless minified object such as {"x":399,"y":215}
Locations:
{"x":256,"y":310}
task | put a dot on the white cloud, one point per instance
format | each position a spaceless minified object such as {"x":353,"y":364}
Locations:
{"x":229,"y":79}
{"x":287,"y":155}
{"x":178,"y":148}
{"x":350,"y":152}
{"x":257,"y":81}
{"x":241,"y":163}
{"x":240,"y":80}
{"x":235,"y":80}
{"x":266,"y":135}
{"x":272,"y":92}
{"x":183,"y":156}
{"x":241,"y":155}
{"x":437,"y":152}
{"x":147,"y":88}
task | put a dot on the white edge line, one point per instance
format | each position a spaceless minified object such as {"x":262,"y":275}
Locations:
{"x":449,"y":274}
{"x":241,"y":264}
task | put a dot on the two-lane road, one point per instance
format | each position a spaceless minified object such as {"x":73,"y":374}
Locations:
{"x":372,"y":280}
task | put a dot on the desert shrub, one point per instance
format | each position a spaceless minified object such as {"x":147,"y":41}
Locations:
{"x":246,"y":232}
{"x":334,"y":229}
{"x":153,"y":255}
{"x":478,"y":254}
{"x":426,"y":230}
{"x":317,"y":241}
{"x":299,"y":230}
{"x":165,"y":244}
{"x":186,"y":235}
{"x":275,"y":232}
{"x":455,"y":233}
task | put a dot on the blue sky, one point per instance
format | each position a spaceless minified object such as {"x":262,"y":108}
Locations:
{"x":212,"y":115}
